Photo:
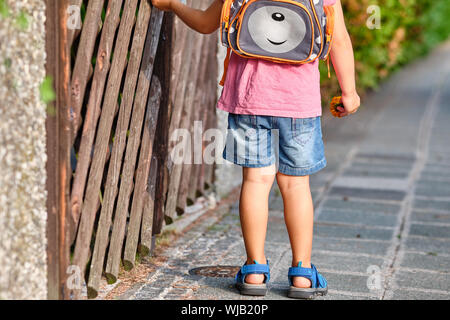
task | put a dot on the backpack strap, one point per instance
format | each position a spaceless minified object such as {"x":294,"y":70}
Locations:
{"x":329,"y":12}
{"x":225,"y":67}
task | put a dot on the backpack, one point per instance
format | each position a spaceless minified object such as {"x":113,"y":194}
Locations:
{"x":283,"y":31}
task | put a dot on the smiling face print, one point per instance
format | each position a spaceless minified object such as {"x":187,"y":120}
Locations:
{"x":276,"y":29}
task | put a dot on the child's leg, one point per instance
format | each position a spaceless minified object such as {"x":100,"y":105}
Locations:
{"x":254,"y":212}
{"x":299,"y":218}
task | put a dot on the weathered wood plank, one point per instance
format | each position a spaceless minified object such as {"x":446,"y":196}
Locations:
{"x":126,"y":183}
{"x":198,"y":109}
{"x":186,"y":108}
{"x":211,"y":105}
{"x":83,"y":60}
{"x":93,"y":109}
{"x":142,"y":174}
{"x":146,"y":244}
{"x":58,"y":151}
{"x":182,"y":82}
{"x":110,"y":192}
{"x":65,"y":139}
{"x":52,"y":182}
{"x":163,"y":69}
{"x":103,"y":135}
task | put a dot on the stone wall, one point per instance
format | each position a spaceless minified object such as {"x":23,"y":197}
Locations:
{"x":23,"y":271}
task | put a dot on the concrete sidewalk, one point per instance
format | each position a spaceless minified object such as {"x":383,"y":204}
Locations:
{"x":382,"y":214}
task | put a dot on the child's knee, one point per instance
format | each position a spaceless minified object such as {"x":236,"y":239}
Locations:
{"x":287,"y":183}
{"x":259,"y":175}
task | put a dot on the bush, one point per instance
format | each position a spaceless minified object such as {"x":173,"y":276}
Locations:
{"x":409,"y":29}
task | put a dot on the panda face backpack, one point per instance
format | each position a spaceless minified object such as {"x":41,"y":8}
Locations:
{"x":283,"y":31}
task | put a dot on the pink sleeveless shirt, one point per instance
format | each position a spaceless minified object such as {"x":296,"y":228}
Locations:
{"x":260,"y":87}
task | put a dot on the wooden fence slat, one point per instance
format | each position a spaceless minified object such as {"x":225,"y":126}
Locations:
{"x":146,"y":244}
{"x":163,"y":69}
{"x":212,"y":117}
{"x":52,"y":184}
{"x":58,"y":150}
{"x":126,"y":183}
{"x":186,"y":116}
{"x":198,"y":109}
{"x":110,"y":192}
{"x":83,"y":60}
{"x":103,"y":135}
{"x":142,"y":174}
{"x":93,"y":110}
{"x":194,"y":182}
{"x":65,"y":139}
{"x":180,"y":31}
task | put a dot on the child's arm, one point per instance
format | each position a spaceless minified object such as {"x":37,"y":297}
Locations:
{"x":344,"y":63}
{"x":203,"y":21}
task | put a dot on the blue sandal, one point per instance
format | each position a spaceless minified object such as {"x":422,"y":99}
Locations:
{"x":253,"y":289}
{"x":318,"y":287}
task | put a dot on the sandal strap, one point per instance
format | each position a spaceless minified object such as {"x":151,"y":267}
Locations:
{"x":321,"y":281}
{"x":301,"y":272}
{"x":317,"y":280}
{"x":253,"y":269}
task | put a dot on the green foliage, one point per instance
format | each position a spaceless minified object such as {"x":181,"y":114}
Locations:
{"x":408,"y":29}
{"x":48,"y":95}
{"x":4,"y":9}
{"x":22,"y":21}
{"x":47,"y":92}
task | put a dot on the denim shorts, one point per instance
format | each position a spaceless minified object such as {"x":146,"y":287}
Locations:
{"x":295,"y":145}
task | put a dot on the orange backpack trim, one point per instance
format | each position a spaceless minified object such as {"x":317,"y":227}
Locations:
{"x":329,"y":12}
{"x":225,"y":67}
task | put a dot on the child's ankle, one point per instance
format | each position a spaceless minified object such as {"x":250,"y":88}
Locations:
{"x":305,"y":264}
{"x":260,"y":260}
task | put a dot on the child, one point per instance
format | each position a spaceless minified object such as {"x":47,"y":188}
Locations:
{"x":261,"y":95}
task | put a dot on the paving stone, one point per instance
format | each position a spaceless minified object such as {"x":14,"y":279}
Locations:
{"x":439,"y":246}
{"x":366,"y":206}
{"x":344,"y":263}
{"x":388,"y":158}
{"x":351,"y":245}
{"x":384,"y":174}
{"x":426,"y":261}
{"x":368,"y":193}
{"x":437,"y":168}
{"x":359,"y":164}
{"x":430,"y":231}
{"x":404,"y":294}
{"x":433,"y":189}
{"x":423,"y":280}
{"x":350,"y":283}
{"x":149,"y":292}
{"x":376,"y":183}
{"x":276,"y":203}
{"x":421,"y":216}
{"x":432,"y":205}
{"x":438,"y":174}
{"x":352,"y":232}
{"x":355,"y":217}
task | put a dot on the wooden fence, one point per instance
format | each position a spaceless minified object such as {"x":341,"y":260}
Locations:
{"x":125,"y":81}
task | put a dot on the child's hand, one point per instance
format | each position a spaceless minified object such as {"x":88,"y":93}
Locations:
{"x":165,"y":5}
{"x":351,"y":104}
